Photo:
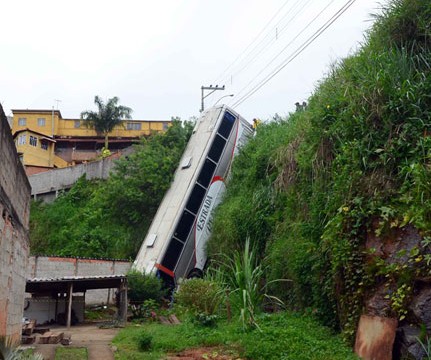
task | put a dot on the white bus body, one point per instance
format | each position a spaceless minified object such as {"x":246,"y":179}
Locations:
{"x":176,"y":240}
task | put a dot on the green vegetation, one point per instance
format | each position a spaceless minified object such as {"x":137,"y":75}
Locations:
{"x":110,"y":218}
{"x":99,"y":312}
{"x":145,"y":292}
{"x":107,"y":117}
{"x":309,"y":190}
{"x":71,"y":353}
{"x":9,"y":351}
{"x":283,"y":336}
{"x":200,"y":297}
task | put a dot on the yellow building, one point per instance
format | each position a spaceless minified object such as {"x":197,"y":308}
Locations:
{"x":45,"y":140}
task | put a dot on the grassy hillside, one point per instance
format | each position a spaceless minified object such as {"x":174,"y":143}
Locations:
{"x":309,"y":189}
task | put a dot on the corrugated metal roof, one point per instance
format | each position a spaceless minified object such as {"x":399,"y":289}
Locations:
{"x":77,"y":278}
{"x":55,"y":285}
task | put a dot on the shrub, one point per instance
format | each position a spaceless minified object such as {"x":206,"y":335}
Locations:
{"x":199,"y":296}
{"x":145,"y":341}
{"x":142,"y":288}
{"x":205,"y":320}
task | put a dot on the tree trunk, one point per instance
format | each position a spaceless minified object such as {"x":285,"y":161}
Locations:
{"x":106,"y":141}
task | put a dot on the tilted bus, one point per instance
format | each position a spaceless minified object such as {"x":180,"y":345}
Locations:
{"x":174,"y":246}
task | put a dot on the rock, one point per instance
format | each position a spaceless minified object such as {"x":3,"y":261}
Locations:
{"x":407,"y":345}
{"x":396,"y":245}
{"x":421,"y":307}
{"x":375,"y":337}
{"x":377,"y":305}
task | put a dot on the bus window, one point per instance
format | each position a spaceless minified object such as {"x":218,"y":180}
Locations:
{"x":172,"y":254}
{"x":195,"y":199}
{"x":217,"y":148}
{"x":226,"y":125}
{"x":206,"y":173}
{"x":184,"y":226}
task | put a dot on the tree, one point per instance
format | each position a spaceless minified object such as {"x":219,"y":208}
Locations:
{"x":107,"y":117}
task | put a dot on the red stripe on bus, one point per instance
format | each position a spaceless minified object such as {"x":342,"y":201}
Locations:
{"x":165,"y":270}
{"x":216,"y":178}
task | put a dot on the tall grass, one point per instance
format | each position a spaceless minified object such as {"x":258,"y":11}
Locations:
{"x":243,"y":279}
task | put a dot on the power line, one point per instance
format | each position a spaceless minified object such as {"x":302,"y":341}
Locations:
{"x":250,"y":44}
{"x":287,"y":46}
{"x":255,"y":57}
{"x":296,"y":53}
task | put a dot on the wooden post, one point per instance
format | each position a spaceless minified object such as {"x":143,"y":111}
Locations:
{"x":125,"y":301}
{"x":56,"y":307}
{"x":69,"y":305}
{"x":122,"y":306}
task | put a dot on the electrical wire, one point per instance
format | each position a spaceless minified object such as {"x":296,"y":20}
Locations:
{"x":296,"y":53}
{"x":286,"y":47}
{"x":220,"y":77}
{"x":254,"y":57}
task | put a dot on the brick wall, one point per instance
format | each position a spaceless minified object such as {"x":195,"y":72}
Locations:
{"x":14,"y":243}
{"x":54,"y":267}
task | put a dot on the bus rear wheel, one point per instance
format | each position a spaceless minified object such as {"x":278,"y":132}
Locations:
{"x":195,"y":274}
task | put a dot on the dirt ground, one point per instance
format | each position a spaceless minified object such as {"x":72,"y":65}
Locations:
{"x":205,"y":353}
{"x":96,"y":340}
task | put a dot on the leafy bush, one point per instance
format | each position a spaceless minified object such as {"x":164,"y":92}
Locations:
{"x":206,"y":320}
{"x":144,"y":292}
{"x":199,"y":296}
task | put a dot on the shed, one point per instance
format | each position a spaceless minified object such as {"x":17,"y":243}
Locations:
{"x":65,"y":287}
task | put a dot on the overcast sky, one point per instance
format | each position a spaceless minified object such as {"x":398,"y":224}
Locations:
{"x":156,"y":55}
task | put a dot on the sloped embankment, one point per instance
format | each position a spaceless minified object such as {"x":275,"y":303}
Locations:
{"x":338,"y":197}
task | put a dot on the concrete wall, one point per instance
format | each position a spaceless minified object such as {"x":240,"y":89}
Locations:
{"x":47,"y":184}
{"x":54,"y":267}
{"x":59,"y":179}
{"x":14,"y":242}
{"x":43,"y":309}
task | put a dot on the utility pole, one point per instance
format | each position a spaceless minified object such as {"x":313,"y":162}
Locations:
{"x":211,"y":89}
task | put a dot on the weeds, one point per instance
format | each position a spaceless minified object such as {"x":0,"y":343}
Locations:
{"x":10,"y":351}
{"x":426,"y":346}
{"x":245,"y":284}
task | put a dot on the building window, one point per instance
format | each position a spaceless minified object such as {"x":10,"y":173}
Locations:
{"x":77,"y":124}
{"x":133,"y":126}
{"x":22,"y":121}
{"x":44,"y":145}
{"x":33,"y":140}
{"x":41,"y":122}
{"x":165,"y":126}
{"x":21,"y":139}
